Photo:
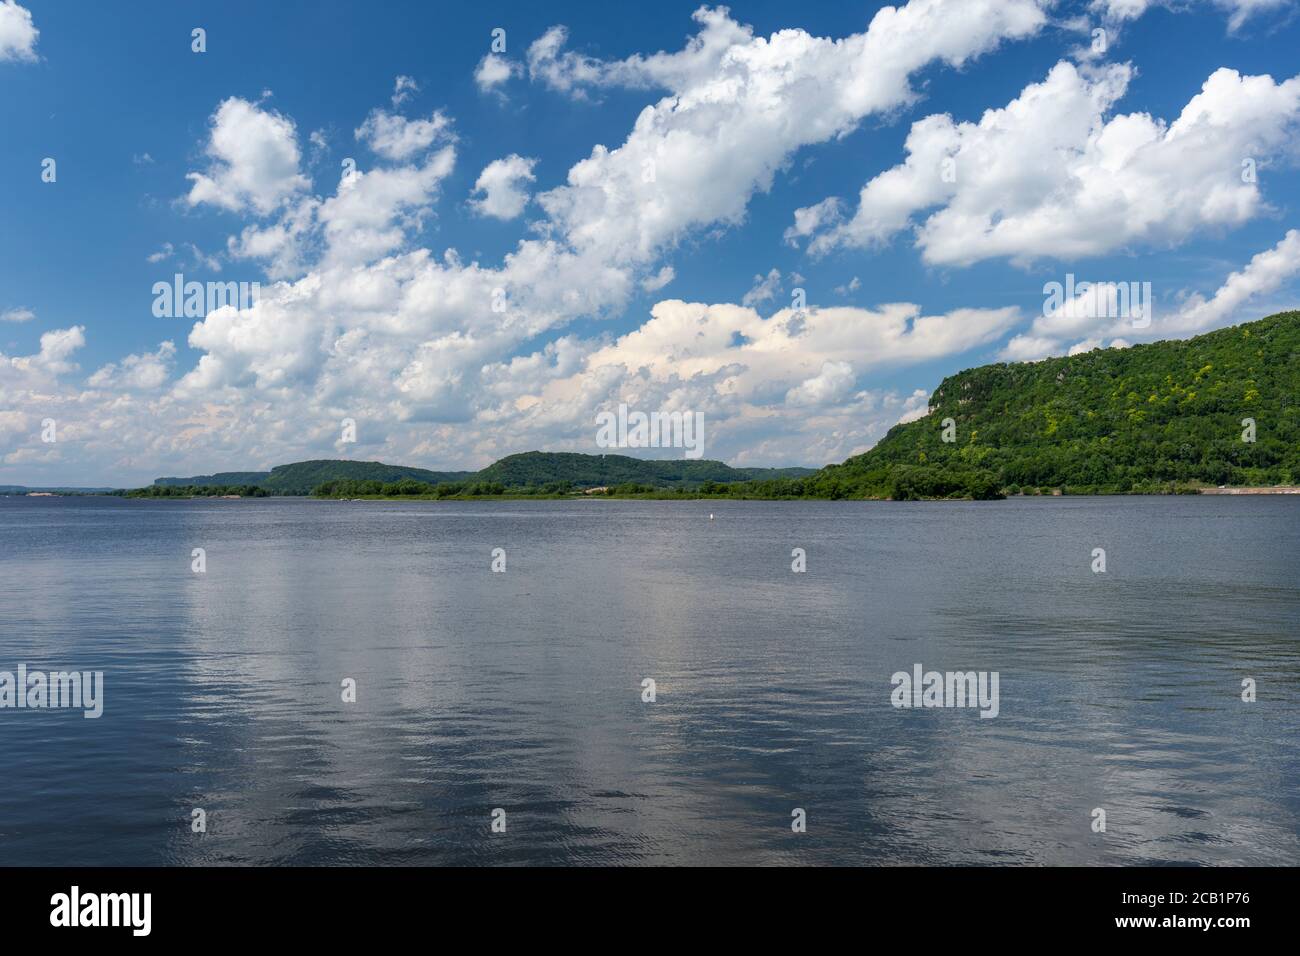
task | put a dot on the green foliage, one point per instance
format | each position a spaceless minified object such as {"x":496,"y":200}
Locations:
{"x":223,"y":479}
{"x":1164,"y":418}
{"x":197,"y":491}
{"x":301,"y":477}
{"x":1160,"y":417}
{"x":912,"y":483}
{"x":409,"y":488}
{"x":532,"y":473}
{"x":536,"y":468}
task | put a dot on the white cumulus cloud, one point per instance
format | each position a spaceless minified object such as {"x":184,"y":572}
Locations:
{"x":570,"y":72}
{"x":255,"y":159}
{"x":501,"y":190}
{"x":1096,"y":315}
{"x":657,"y":281}
{"x":1049,"y":175}
{"x":1238,"y":11}
{"x":398,"y":138}
{"x":144,"y":371}
{"x":424,"y":346}
{"x":18,"y":34}
{"x":493,"y":71}
{"x":832,"y":384}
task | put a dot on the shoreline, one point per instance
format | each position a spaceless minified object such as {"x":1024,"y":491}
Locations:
{"x":671,"y":495}
{"x":1247,"y":490}
{"x":691,"y":496}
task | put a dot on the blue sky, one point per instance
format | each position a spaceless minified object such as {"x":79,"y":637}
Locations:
{"x":225,"y":165}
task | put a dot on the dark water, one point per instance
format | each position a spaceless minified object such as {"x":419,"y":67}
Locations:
{"x":522,"y":690}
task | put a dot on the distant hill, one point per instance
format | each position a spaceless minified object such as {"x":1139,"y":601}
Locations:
{"x":22,"y":490}
{"x":529,"y":469}
{"x":301,"y":477}
{"x":765,"y":473}
{"x":536,"y":468}
{"x":221,"y":479}
{"x":1147,"y":418}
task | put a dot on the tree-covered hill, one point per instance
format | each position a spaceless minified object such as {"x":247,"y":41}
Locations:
{"x":221,"y":479}
{"x":51,"y":489}
{"x":536,"y":468}
{"x":555,"y":471}
{"x":1155,"y":417}
{"x":301,"y":477}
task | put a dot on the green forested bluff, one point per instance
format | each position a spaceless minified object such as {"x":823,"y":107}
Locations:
{"x":1219,"y":409}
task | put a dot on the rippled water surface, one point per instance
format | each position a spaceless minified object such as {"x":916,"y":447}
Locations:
{"x":522,"y":690}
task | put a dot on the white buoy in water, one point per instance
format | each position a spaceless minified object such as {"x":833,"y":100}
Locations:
{"x":710,"y":515}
